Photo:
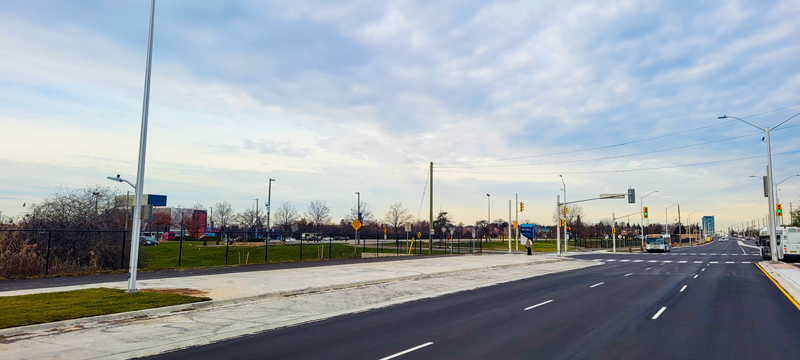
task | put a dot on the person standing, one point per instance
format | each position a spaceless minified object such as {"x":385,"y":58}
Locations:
{"x":528,"y":246}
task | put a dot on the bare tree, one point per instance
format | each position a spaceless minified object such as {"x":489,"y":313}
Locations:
{"x":286,"y":216}
{"x":397,"y":216}
{"x":573,"y":212}
{"x":367,"y":218}
{"x":223,"y":215}
{"x":318,"y":213}
{"x":249,"y":218}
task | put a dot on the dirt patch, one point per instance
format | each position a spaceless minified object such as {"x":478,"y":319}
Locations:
{"x":187,"y":292}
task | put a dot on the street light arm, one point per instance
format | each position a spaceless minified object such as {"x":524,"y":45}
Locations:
{"x":787,"y":179}
{"x":748,"y":123}
{"x":784,"y":121}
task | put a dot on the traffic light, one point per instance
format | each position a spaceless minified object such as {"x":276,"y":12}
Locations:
{"x":562,"y":222}
{"x":565,"y":210}
{"x":778,"y":210}
{"x":521,"y":206}
{"x":645,"y":212}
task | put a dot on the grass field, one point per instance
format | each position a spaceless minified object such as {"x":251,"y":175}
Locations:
{"x":56,"y":306}
{"x":194,"y":254}
{"x":536,"y":247}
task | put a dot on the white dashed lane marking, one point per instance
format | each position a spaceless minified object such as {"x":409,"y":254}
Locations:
{"x":537,"y":305}
{"x":659,"y":312}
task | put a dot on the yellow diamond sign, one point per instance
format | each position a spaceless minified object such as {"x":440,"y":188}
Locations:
{"x":356,"y":224}
{"x":419,"y":234}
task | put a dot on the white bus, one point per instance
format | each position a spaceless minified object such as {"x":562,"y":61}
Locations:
{"x":657,"y":242}
{"x":787,"y":239}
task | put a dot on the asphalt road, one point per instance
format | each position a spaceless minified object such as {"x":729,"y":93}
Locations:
{"x":710,"y":304}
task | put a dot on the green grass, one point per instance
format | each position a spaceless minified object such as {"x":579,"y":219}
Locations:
{"x":194,"y":254}
{"x":48,"y":307}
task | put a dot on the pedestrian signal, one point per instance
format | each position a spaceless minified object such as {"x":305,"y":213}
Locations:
{"x":521,"y":207}
{"x":645,"y":212}
{"x":778,"y":210}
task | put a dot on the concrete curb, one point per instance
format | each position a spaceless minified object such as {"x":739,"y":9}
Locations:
{"x":168,"y":310}
{"x":792,"y":288}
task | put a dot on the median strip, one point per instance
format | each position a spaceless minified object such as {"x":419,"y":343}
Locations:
{"x":407,"y":351}
{"x":537,"y":305}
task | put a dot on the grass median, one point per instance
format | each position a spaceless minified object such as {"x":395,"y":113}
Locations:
{"x":535,"y":247}
{"x":56,"y":306}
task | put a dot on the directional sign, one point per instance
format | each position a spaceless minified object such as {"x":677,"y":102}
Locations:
{"x":419,"y":234}
{"x":356,"y":224}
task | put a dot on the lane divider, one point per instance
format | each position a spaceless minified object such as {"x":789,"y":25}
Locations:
{"x":683,"y":288}
{"x":628,"y":274}
{"x":780,"y":287}
{"x":537,"y":305}
{"x":598,"y":284}
{"x":407,"y":351}
{"x":659,"y":312}
{"x":696,"y":276}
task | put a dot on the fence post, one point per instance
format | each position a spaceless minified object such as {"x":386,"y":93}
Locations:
{"x":180,"y":249}
{"x":330,"y":246}
{"x":227,"y":245}
{"x":47,"y":262}
{"x":396,"y":244}
{"x":301,"y":248}
{"x":266,"y":249}
{"x":122,"y":260}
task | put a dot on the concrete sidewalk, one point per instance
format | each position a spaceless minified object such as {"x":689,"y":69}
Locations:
{"x":392,"y":283}
{"x":787,"y":275}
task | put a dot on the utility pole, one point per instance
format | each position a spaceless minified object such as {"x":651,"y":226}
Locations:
{"x":269,"y":210}
{"x":137,"y":211}
{"x":489,"y":217}
{"x":680,"y":226}
{"x":614,"y":231}
{"x":516,"y":220}
{"x":430,"y":222}
{"x":256,"y":219}
{"x":558,"y":225}
{"x":566,"y":237}
{"x":509,"y":225}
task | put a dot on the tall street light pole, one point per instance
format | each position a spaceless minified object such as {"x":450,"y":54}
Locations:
{"x":137,"y":211}
{"x":771,"y":203}
{"x":778,"y":198}
{"x":641,"y":205}
{"x":358,"y":216}
{"x":666,"y":218}
{"x":489,"y":217}
{"x":566,"y":239}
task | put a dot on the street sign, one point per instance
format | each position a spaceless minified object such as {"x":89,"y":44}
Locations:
{"x":452,"y":231}
{"x":515,"y":225}
{"x":408,"y":226}
{"x":384,"y":231}
{"x":473,"y":233}
{"x":433,"y":232}
{"x":295,"y":228}
{"x":419,"y":234}
{"x":613,"y":230}
{"x":631,"y":196}
{"x":356,"y":224}
{"x":444,"y":228}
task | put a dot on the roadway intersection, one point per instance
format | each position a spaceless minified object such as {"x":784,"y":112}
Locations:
{"x":710,"y":301}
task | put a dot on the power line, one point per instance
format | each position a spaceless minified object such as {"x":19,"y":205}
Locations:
{"x":607,"y":157}
{"x":619,"y":171}
{"x":423,"y":194}
{"x":620,"y":144}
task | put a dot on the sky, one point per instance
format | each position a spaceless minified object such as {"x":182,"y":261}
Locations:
{"x":331,"y":98}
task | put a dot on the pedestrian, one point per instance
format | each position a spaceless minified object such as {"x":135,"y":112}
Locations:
{"x":528,"y":246}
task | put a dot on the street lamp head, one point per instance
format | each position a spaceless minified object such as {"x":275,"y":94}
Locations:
{"x":722,"y":117}
{"x":114,"y":178}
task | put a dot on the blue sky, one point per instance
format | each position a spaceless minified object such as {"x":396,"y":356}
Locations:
{"x":331,"y":98}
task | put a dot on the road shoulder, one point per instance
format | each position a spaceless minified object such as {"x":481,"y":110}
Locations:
{"x":787,"y":278}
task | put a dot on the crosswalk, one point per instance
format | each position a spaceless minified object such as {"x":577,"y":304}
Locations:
{"x":671,"y":261}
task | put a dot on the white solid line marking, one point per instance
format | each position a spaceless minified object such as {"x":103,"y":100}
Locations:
{"x":683,"y":288}
{"x":598,"y":284}
{"x":654,"y":316}
{"x":407,"y":351}
{"x":628,"y":274}
{"x":531,"y":307}
{"x":696,"y":276}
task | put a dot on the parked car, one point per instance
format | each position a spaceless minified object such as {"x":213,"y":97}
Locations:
{"x":148,"y":241}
